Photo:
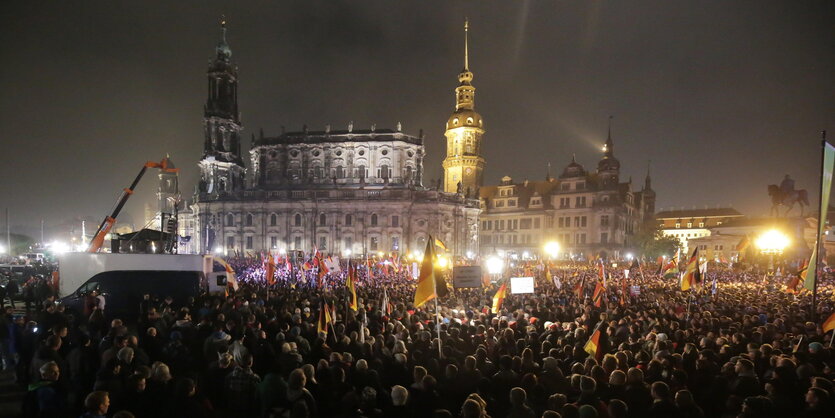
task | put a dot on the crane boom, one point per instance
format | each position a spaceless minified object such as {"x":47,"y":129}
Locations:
{"x":108,"y":222}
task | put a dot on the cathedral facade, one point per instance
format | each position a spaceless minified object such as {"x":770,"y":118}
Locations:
{"x":343,"y":191}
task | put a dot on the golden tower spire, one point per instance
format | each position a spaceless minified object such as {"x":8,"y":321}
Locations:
{"x":466,"y":53}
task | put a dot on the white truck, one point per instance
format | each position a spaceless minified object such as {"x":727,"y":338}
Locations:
{"x":123,"y":279}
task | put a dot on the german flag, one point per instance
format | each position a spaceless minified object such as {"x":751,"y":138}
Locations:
{"x":324,"y":318}
{"x":349,"y":284}
{"x":596,"y":343}
{"x":426,"y":287}
{"x":498,"y":298}
{"x":795,"y":280}
{"x":599,"y":291}
{"x":580,"y":287}
{"x":692,"y":277}
{"x":829,"y":324}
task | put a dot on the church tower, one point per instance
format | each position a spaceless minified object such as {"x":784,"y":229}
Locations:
{"x":222,"y":169}
{"x":464,"y":165}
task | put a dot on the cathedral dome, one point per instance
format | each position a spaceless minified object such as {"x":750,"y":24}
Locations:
{"x":574,"y":169}
{"x":465,"y":117}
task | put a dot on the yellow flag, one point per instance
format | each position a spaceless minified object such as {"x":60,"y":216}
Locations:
{"x":426,"y":280}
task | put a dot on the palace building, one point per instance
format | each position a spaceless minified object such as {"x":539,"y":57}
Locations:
{"x":588,"y":213}
{"x":339,"y":190}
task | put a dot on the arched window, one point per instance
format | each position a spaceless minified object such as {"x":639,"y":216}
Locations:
{"x":273,"y":219}
{"x":298,"y":220}
{"x":340,"y":172}
{"x":248,"y":219}
{"x":230,"y":220}
{"x":349,"y":220}
{"x":362,"y":172}
{"x":374,"y":220}
{"x":383,"y":172}
{"x":323,"y":220}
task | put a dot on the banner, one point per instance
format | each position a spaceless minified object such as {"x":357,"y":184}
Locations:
{"x":826,"y":186}
{"x":521,"y":285}
{"x":466,"y":276}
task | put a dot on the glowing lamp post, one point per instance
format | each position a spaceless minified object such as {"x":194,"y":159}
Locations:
{"x":772,"y":243}
{"x":495,"y":266}
{"x":552,"y":248}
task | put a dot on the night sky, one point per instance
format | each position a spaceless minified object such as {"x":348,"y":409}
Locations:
{"x":723,"y":96}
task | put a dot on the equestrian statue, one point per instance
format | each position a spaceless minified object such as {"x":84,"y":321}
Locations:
{"x":786,"y":195}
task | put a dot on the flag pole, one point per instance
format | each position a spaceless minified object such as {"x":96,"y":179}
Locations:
{"x":832,"y":340}
{"x":821,"y":215}
{"x":438,"y":319}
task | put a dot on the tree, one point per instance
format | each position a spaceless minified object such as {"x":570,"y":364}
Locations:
{"x":651,"y":242}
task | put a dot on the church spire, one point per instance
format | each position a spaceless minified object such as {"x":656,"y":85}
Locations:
{"x":465,"y":93}
{"x":224,"y":53}
{"x":466,"y":39}
{"x":609,"y":148}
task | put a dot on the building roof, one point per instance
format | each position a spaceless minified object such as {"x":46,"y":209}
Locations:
{"x":354,"y":135}
{"x":524,"y":192}
{"x":697,"y":213}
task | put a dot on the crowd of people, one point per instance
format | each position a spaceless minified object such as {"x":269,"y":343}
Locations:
{"x":742,"y":348}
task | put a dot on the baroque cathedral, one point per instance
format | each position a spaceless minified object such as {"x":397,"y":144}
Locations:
{"x":343,"y":191}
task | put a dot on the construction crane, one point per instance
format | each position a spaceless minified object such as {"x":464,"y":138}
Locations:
{"x":109,"y":221}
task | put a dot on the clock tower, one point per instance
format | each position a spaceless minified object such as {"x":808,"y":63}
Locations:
{"x":464,"y":165}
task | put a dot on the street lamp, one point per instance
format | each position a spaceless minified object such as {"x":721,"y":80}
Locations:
{"x":552,"y":248}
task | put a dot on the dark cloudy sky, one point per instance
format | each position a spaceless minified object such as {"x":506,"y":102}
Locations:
{"x":723,"y":96}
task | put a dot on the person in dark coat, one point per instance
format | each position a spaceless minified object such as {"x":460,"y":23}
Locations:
{"x":663,"y":405}
{"x":83,"y":363}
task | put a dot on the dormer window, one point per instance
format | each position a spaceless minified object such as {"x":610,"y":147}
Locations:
{"x":455,"y":122}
